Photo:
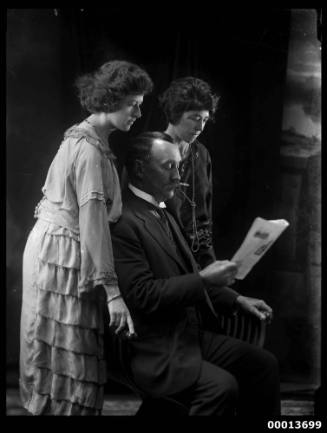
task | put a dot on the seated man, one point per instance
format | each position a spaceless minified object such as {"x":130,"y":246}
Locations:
{"x":170,"y":299}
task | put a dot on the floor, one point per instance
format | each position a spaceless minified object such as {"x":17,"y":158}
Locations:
{"x":294,"y":403}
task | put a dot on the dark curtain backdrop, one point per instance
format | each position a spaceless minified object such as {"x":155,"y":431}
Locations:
{"x":242,"y":53}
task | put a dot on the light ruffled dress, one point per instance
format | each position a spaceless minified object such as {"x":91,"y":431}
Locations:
{"x":68,"y":256}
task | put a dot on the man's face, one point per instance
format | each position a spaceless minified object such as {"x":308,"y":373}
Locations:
{"x":160,"y":175}
{"x":191,"y":124}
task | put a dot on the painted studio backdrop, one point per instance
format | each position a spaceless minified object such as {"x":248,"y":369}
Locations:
{"x":265,"y":143}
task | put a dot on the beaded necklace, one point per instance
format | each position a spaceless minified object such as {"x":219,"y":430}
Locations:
{"x":195,"y":245}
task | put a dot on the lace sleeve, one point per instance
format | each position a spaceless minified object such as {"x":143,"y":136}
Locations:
{"x":97,"y":263}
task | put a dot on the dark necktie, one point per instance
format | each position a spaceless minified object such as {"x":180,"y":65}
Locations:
{"x":166,"y":224}
{"x":167,"y":227}
{"x":173,"y":236}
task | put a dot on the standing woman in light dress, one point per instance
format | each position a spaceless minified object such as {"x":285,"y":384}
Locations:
{"x":68,"y":267}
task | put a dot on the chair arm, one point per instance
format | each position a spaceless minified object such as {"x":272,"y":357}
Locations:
{"x":243,"y":326}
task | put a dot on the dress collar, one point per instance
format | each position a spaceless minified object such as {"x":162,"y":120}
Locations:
{"x":86,"y":130}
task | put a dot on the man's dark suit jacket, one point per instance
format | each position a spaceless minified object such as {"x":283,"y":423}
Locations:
{"x":165,"y":296}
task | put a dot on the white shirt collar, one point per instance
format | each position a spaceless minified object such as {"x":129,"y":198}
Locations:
{"x":145,"y":196}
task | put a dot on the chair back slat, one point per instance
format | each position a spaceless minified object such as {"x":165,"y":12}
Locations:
{"x":243,"y":326}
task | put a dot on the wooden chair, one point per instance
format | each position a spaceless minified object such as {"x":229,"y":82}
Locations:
{"x":243,"y":326}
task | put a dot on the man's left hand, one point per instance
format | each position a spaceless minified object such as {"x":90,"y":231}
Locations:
{"x":258,"y":307}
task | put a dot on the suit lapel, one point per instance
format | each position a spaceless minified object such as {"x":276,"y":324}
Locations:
{"x":182,"y":242}
{"x":155,"y":229}
{"x":158,"y":233}
{"x":147,"y":213}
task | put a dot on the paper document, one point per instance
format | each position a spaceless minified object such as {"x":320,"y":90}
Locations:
{"x":257,"y":242}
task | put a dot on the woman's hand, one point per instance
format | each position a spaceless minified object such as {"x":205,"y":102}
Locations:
{"x":120,"y":319}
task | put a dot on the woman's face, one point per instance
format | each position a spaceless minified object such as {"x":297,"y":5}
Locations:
{"x":128,"y":112}
{"x":191,"y":124}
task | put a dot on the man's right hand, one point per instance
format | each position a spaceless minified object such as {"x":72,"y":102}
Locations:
{"x":219,"y":273}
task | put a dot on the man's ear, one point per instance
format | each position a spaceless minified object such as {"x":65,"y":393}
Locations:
{"x":139,"y":169}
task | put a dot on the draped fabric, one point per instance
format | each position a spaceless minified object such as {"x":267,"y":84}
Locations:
{"x":67,"y":259}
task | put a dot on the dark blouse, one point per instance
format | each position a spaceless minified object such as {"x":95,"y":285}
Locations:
{"x":196,"y":170}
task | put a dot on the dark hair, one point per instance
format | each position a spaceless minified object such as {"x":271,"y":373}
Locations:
{"x":105,"y":88}
{"x":187,"y":94}
{"x":140,"y":149}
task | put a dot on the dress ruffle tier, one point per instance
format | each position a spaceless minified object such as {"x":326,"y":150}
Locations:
{"x":62,"y":352}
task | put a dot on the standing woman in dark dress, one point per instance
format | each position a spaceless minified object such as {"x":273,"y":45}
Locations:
{"x":188,"y":104}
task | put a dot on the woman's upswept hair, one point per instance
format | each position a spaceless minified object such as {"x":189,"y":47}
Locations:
{"x":105,"y":88}
{"x":187,"y":94}
{"x":139,"y":149}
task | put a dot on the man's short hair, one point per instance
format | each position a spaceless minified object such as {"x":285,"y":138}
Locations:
{"x":139,"y":149}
